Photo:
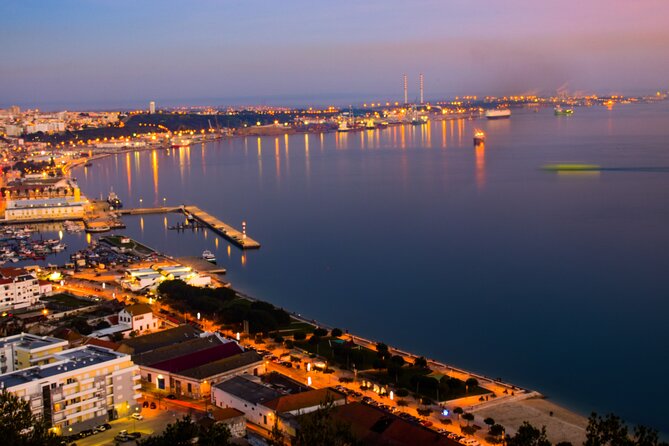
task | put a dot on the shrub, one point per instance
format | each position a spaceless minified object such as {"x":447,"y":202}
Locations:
{"x":424,"y":411}
{"x":300,"y":336}
{"x":336,"y":332}
{"x":402,"y":392}
{"x":320,"y":332}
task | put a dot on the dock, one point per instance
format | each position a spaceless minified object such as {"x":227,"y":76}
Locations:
{"x":143,"y":211}
{"x":233,"y":235}
{"x":201,"y":265}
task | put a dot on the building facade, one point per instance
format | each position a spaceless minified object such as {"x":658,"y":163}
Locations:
{"x":80,"y":388}
{"x":18,"y":289}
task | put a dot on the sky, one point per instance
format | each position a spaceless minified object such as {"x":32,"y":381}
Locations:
{"x":101,"y":54}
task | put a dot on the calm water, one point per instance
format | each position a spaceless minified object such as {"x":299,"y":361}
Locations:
{"x":476,"y":257}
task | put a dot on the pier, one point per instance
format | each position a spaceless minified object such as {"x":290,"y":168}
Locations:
{"x":233,"y":235}
{"x":144,"y":211}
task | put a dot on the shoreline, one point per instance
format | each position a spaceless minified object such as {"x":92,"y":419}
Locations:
{"x":515,"y":409}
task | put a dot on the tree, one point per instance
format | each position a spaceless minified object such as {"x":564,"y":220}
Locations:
{"x":179,"y":433}
{"x":397,"y":360}
{"x":489,"y":421}
{"x":496,"y":430}
{"x":320,"y":428}
{"x":471,"y":383}
{"x":402,"y":403}
{"x":300,"y":336}
{"x":468,"y":417}
{"x":420,"y":362}
{"x":218,"y":434}
{"x":612,"y":431}
{"x":20,"y":427}
{"x":458,"y":411}
{"x":320,"y":332}
{"x":529,"y":435}
{"x":336,"y":332}
{"x":276,"y":435}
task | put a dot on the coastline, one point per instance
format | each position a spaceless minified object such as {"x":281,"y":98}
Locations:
{"x":563,"y":425}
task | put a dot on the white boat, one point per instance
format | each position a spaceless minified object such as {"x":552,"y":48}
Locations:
{"x":208,"y":256}
{"x":343,"y":127}
{"x":498,"y":113}
{"x":479,"y":136}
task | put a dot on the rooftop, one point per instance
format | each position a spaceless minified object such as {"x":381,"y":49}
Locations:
{"x":374,"y":427}
{"x":205,"y":371}
{"x":69,"y":360}
{"x":176,"y":350}
{"x":152,"y":341}
{"x":138,"y":309}
{"x":303,"y":400}
{"x":31,"y":341}
{"x":248,"y":390}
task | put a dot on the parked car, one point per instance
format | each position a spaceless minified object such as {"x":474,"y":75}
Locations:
{"x":171,"y":397}
{"x":137,"y":416}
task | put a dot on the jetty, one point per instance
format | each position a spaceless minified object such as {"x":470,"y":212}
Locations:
{"x":235,"y":236}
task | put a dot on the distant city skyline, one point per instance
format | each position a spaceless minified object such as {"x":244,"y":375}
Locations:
{"x":79,"y":54}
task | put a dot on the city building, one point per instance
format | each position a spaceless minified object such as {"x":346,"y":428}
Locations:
{"x":139,"y":279}
{"x":152,"y":107}
{"x":19,"y":288}
{"x":246,"y":395}
{"x":139,"y":318}
{"x":154,"y":341}
{"x":190,"y":368}
{"x":82,"y":386}
{"x":265,"y":405}
{"x":27,"y":350}
{"x":47,"y":199}
{"x":232,"y":418}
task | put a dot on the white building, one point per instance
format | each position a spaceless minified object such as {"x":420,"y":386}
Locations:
{"x":83,"y":386}
{"x":140,"y":318}
{"x":18,"y":289}
{"x":152,"y":107}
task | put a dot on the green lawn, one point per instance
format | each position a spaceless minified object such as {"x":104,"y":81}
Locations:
{"x":67,"y":301}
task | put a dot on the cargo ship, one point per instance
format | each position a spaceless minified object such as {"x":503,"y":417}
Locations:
{"x":498,"y":113}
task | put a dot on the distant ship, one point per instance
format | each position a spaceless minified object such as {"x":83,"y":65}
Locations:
{"x":208,"y":256}
{"x":479,"y":136}
{"x":343,"y":127}
{"x":559,"y":111}
{"x":180,"y":142}
{"x":114,"y":201}
{"x":498,"y":113}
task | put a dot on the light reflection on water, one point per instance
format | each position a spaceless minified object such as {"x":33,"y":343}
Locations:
{"x":471,"y":255}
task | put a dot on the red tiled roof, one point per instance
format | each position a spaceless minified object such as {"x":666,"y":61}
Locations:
{"x":102,"y":343}
{"x":303,"y":400}
{"x":199,"y":358}
{"x":371,"y":426}
{"x":13,"y":272}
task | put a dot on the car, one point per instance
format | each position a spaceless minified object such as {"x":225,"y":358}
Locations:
{"x":100,"y":428}
{"x":86,"y":433}
{"x":122,"y":438}
{"x":153,"y":405}
{"x":171,"y":396}
{"x":137,"y":416}
{"x":134,"y":435}
{"x":426,"y":423}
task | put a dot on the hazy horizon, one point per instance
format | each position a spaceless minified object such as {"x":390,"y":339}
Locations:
{"x":78,"y":54}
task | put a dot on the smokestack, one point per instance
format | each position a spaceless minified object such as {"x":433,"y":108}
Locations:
{"x":421,"y":88}
{"x":404,"y":76}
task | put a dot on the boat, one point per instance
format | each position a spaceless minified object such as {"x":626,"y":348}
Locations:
{"x":572,"y":167}
{"x":180,"y":142}
{"x":498,"y":113}
{"x":559,"y":111}
{"x":343,"y":127}
{"x":114,"y":201}
{"x":370,"y":124}
{"x":479,"y":136}
{"x":208,"y":256}
{"x":98,"y":228}
{"x":88,"y":164}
